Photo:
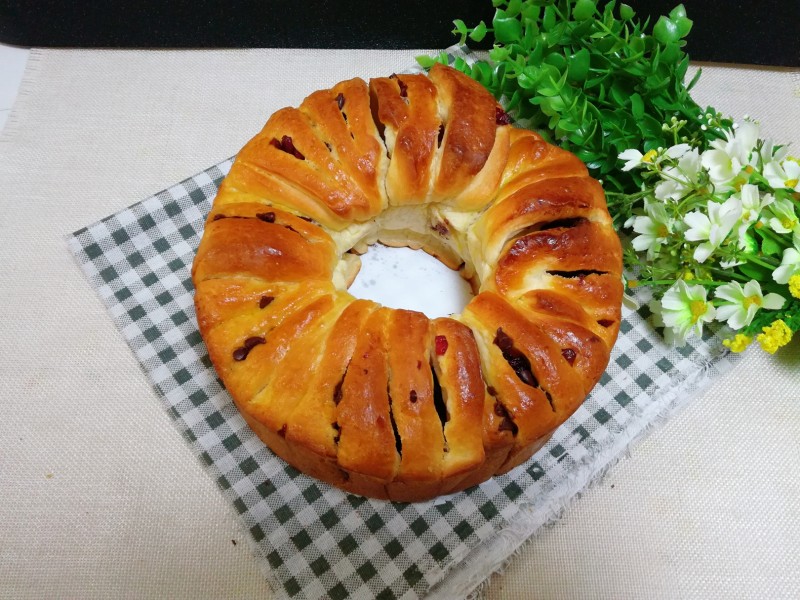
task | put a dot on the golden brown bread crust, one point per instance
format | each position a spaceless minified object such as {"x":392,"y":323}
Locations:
{"x":383,"y":402}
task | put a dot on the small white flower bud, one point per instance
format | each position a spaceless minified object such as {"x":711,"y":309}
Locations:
{"x":703,"y":127}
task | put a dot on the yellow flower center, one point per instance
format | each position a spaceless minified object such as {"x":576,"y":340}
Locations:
{"x":749,"y":169}
{"x":788,"y":223}
{"x":758,"y":225}
{"x":688,"y":276}
{"x":698,"y":309}
{"x":649,"y":156}
{"x":751,"y":300}
{"x":790,"y":183}
{"x":663,"y":231}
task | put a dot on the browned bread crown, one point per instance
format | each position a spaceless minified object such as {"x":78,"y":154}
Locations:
{"x":383,"y":402}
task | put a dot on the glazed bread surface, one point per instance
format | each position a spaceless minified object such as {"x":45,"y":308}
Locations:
{"x":387,"y":402}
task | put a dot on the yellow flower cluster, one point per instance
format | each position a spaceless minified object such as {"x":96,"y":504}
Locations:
{"x":775,"y":335}
{"x":794,"y":285}
{"x":739,"y":343}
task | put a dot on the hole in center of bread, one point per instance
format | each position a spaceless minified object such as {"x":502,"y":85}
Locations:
{"x":410,"y":279}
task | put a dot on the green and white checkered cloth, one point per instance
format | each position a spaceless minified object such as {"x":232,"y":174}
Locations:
{"x":316,"y":541}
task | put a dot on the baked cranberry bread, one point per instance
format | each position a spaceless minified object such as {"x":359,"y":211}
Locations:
{"x":383,"y":402}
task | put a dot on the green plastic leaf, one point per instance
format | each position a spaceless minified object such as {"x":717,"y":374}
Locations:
{"x":557,"y":60}
{"x":678,"y":12}
{"x":477,"y":34}
{"x":626,"y":13}
{"x":549,"y":20}
{"x":584,"y":9}
{"x":637,"y":106}
{"x":567,"y":126}
{"x":531,"y":11}
{"x":482,"y":72}
{"x":547,"y":91}
{"x":513,"y":8}
{"x":650,"y":127}
{"x":506,"y":29}
{"x":666,"y":30}
{"x":695,"y":79}
{"x":770,"y":247}
{"x":670,"y":54}
{"x":578,"y":66}
{"x":684,"y":25}
{"x":755,"y":272}
{"x":461,"y":27}
{"x":499,"y":54}
{"x":424,"y":61}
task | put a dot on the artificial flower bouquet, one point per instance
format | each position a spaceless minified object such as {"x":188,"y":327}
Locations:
{"x":716,"y":229}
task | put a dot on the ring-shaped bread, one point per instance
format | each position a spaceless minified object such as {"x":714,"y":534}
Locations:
{"x":383,"y":402}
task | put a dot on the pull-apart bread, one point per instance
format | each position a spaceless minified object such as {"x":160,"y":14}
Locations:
{"x":383,"y":402}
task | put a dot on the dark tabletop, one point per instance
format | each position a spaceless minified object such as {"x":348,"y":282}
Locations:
{"x":762,"y":32}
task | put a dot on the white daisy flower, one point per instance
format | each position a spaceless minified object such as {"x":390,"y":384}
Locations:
{"x":681,"y":178}
{"x":790,"y":265}
{"x":654,"y":229}
{"x":782,"y":219}
{"x":634,"y":158}
{"x":684,"y":309}
{"x":712,"y":228}
{"x":785,"y":174}
{"x":726,"y":158}
{"x":740,"y":304}
{"x":752,"y":205}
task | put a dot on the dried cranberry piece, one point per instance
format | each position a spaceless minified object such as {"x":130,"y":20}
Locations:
{"x":340,"y":101}
{"x":441,"y":229}
{"x":337,"y":391}
{"x":507,"y":424}
{"x":569,"y":355}
{"x":413,"y":396}
{"x":250,"y":343}
{"x":441,"y":345}
{"x":441,"y":135}
{"x":605,"y":322}
{"x":254,"y":341}
{"x":501,"y":117}
{"x":287,"y":145}
{"x":267,"y":217}
{"x":218,"y":217}
{"x":515,"y":358}
{"x":265,"y":301}
{"x":502,"y":340}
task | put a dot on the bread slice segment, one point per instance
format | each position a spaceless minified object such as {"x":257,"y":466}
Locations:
{"x":367,"y":445}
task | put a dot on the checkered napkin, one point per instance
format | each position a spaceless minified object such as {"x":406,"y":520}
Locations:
{"x":315,"y":541}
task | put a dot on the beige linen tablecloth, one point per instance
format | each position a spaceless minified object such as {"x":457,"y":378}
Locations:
{"x":100,"y":497}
